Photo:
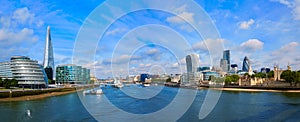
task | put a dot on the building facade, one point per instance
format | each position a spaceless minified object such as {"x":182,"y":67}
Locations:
{"x":225,"y":61}
{"x":5,"y":70}
{"x":27,"y":72}
{"x":192,"y":64}
{"x":48,"y":56}
{"x":72,"y":74}
{"x":246,"y":64}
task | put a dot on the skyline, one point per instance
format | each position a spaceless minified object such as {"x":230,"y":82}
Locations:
{"x":265,"y":31}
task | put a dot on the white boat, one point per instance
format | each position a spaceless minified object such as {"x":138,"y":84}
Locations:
{"x":118,"y":84}
{"x":146,"y":84}
{"x":93,"y":92}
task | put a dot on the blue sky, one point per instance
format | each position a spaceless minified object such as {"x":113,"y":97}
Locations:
{"x":267,"y":31}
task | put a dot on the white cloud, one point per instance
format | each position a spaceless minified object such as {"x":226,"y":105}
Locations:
{"x":152,"y":52}
{"x":296,"y":10}
{"x":286,"y":49}
{"x":294,"y":5}
{"x":284,"y":2}
{"x":23,"y":15}
{"x":202,"y":45}
{"x":115,"y":31}
{"x":246,"y":24}
{"x":252,"y":45}
{"x":181,"y":18}
{"x":286,"y":54}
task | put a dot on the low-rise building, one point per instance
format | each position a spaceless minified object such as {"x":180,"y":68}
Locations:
{"x":72,"y":74}
{"x":27,"y":72}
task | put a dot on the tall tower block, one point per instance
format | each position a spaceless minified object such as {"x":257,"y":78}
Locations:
{"x":48,"y":63}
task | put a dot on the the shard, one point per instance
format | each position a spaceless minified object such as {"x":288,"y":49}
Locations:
{"x":48,"y":56}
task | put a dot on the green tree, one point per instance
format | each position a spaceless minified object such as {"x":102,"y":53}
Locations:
{"x":246,"y":75}
{"x":288,"y":76}
{"x":6,"y":83}
{"x":168,"y":80}
{"x":271,"y":74}
{"x":1,"y":82}
{"x":228,"y":79}
{"x":297,"y":77}
{"x":14,"y":83}
{"x":235,"y":78}
{"x":211,"y":78}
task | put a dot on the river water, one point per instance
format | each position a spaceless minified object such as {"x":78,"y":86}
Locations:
{"x":155,"y":103}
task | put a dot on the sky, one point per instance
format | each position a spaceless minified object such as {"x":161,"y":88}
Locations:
{"x":151,"y":40}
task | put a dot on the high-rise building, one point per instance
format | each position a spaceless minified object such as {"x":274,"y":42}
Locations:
{"x":246,"y":64}
{"x":265,"y":70}
{"x":27,"y":72}
{"x":225,"y":61}
{"x":48,"y":56}
{"x":192,"y":63}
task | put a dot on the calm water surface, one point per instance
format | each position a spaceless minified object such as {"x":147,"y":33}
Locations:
{"x":232,"y":106}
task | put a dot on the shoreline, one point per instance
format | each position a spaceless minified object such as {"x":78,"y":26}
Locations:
{"x":35,"y":97}
{"x":253,"y":90}
{"x":238,"y":89}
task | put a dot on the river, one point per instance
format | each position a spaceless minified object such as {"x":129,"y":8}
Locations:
{"x":155,"y":103}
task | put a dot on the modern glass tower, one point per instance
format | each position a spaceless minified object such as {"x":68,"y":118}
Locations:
{"x":225,"y":61}
{"x":192,"y":63}
{"x":48,"y":56}
{"x":246,"y":64}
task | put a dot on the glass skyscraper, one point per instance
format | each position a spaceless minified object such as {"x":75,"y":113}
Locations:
{"x":225,"y":61}
{"x":246,"y":64}
{"x":48,"y":56}
{"x":192,"y":63}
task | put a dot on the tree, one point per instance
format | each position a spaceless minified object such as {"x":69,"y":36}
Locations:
{"x":6,"y":83}
{"x":168,"y":80}
{"x":211,"y":78}
{"x":288,"y":76}
{"x":14,"y":83}
{"x":247,"y":74}
{"x":235,"y":78}
{"x":271,"y":74}
{"x":1,"y":82}
{"x":228,"y":79}
{"x":297,"y":77}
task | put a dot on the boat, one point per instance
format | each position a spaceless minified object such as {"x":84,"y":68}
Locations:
{"x":146,"y":84}
{"x":93,"y":92}
{"x":117,"y":84}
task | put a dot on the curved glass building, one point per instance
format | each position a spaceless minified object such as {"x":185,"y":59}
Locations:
{"x":28,"y":72}
{"x":192,"y":63}
{"x":246,"y":64}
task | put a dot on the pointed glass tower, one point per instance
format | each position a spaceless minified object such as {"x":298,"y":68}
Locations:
{"x":48,"y":56}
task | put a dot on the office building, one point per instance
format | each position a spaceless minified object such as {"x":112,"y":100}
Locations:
{"x":27,"y":72}
{"x":225,"y":61}
{"x":5,"y":70}
{"x":192,"y":64}
{"x":48,"y":56}
{"x":72,"y":74}
{"x":265,"y":70}
{"x":246,"y":64}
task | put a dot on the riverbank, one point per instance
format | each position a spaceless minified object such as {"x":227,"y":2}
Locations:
{"x":254,"y":90}
{"x":34,"y":97}
{"x":35,"y":94}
